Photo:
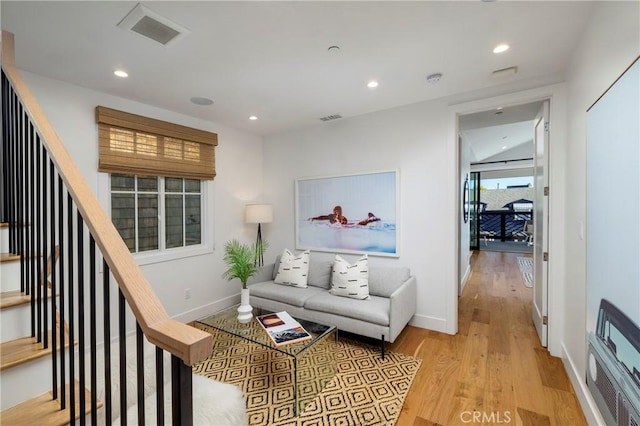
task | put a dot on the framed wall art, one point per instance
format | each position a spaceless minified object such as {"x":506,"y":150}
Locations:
{"x":355,"y":213}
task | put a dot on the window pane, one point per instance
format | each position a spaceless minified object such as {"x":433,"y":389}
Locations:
{"x":147,"y":184}
{"x":193,"y":226}
{"x":173,"y":220}
{"x":147,"y":222}
{"x":123,"y":217}
{"x":191,"y":185}
{"x":122,"y":183}
{"x":173,"y":185}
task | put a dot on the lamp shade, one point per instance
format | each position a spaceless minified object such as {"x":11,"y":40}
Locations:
{"x":258,"y":213}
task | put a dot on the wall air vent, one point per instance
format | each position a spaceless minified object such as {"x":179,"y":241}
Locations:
{"x":149,"y":24}
{"x":505,"y":72}
{"x":330,"y":117}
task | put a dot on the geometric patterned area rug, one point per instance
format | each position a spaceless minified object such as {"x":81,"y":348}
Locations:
{"x":366,"y":390}
{"x":526,"y":269}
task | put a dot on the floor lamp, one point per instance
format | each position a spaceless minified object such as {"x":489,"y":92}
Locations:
{"x":259,"y":213}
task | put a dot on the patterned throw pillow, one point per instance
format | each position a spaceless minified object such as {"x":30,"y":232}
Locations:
{"x":350,"y":280}
{"x":293,"y":270}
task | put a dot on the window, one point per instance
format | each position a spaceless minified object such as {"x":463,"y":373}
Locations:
{"x":155,"y":213}
{"x":157,"y":180}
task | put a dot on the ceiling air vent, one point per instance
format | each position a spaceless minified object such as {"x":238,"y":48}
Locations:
{"x":330,"y":117}
{"x":149,"y":24}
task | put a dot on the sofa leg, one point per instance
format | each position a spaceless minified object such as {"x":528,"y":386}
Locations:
{"x":382,"y":346}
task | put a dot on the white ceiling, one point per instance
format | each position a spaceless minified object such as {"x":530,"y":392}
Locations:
{"x":500,"y":134}
{"x":271,"y":59}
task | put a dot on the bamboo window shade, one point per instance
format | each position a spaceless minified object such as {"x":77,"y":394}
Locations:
{"x":133,"y":144}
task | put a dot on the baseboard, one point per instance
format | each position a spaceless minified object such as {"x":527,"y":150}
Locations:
{"x":463,"y":283}
{"x":579,"y":383}
{"x":208,"y":309}
{"x":430,"y":323}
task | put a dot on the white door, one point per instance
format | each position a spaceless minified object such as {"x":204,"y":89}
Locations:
{"x":541,"y":222}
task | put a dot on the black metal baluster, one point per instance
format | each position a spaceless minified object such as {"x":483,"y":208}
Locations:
{"x":123,"y":357}
{"x":8,"y":153}
{"x":106,"y":318}
{"x":61,"y":293}
{"x":32,"y":230}
{"x":20,"y":195}
{"x":38,"y":241}
{"x":45,"y":251}
{"x":4,"y":213}
{"x":181,"y":392}
{"x":54,"y":281}
{"x":140,"y":370}
{"x":29,"y":217}
{"x":159,"y":386}
{"x":81,"y":336}
{"x":70,"y":273}
{"x":93,"y":329}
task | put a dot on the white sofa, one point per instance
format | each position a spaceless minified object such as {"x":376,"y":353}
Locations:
{"x":383,"y":315}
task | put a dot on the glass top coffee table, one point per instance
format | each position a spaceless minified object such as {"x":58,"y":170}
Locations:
{"x":313,"y":360}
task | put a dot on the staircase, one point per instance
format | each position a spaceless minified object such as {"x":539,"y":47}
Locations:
{"x":77,"y":314}
{"x":26,"y":397}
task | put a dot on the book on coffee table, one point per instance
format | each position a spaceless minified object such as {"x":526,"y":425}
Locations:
{"x":282,"y":328}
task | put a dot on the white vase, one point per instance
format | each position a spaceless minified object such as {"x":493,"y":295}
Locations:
{"x":245,"y":311}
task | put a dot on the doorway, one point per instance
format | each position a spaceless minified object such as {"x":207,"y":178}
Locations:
{"x":498,"y":145}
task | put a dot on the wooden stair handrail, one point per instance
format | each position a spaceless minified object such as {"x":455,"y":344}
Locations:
{"x":186,"y":342}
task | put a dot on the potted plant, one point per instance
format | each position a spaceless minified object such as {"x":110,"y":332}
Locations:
{"x":242,"y":263}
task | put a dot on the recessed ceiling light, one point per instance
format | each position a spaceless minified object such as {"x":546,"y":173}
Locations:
{"x":253,"y":117}
{"x":120,"y":73}
{"x":504,"y":147}
{"x":372,"y":84}
{"x":503,"y":47}
{"x":201,"y":101}
{"x":434,"y":78}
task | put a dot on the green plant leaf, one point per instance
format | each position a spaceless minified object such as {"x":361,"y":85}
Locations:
{"x":241,"y":260}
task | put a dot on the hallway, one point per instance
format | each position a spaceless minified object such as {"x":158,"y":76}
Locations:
{"x":494,"y":371}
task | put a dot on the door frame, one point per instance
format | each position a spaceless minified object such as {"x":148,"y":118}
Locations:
{"x":556,"y":95}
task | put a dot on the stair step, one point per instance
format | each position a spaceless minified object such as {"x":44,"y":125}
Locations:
{"x":25,"y":349}
{"x":43,"y":410}
{"x":9,"y":257}
{"x":10,"y":299}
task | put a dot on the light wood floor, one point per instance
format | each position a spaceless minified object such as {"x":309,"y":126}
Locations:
{"x":494,"y":366}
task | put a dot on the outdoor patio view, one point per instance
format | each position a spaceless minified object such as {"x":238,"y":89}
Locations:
{"x":505,"y":214}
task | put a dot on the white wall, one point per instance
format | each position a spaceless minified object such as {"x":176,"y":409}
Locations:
{"x":239,"y":181}
{"x":465,"y":228}
{"x":412,"y":139}
{"x":608,"y":46}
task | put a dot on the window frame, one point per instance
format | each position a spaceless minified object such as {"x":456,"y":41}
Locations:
{"x":159,"y":255}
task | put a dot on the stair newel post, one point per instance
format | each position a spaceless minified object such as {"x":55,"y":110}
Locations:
{"x":54,"y":258}
{"x":81,"y":317}
{"x":106,"y":318}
